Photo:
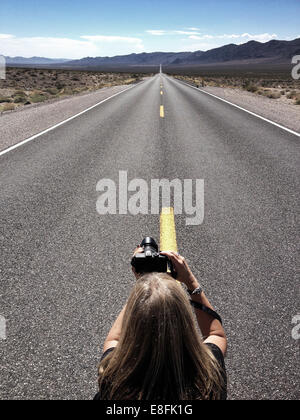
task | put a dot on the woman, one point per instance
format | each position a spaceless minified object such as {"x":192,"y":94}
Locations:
{"x":154,"y":351}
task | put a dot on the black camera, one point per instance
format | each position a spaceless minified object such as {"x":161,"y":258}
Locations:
{"x":151,"y":261}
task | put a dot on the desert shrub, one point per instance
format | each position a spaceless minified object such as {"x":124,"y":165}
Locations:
{"x":60,"y":85}
{"x":37,"y":97}
{"x":19,"y":93}
{"x":292,"y":94}
{"x":251,"y":88}
{"x":274,"y":95}
{"x":266,"y":92}
{"x":20,"y":99}
{"x":7,"y":107}
{"x":52,"y":91}
{"x":68,"y":91}
{"x":4,"y":99}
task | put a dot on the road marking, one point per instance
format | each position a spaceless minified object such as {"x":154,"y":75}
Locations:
{"x":4,"y":152}
{"x":246,"y":110}
{"x":162,"y":111}
{"x":161,"y":92}
{"x":168,"y":240}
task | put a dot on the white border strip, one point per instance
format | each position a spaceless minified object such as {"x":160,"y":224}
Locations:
{"x":4,"y":152}
{"x":242,"y":109}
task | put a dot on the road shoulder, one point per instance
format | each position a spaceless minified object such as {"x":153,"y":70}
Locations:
{"x":18,"y":126}
{"x":281,"y":113}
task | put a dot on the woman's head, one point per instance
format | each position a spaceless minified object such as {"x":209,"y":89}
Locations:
{"x":160,"y":354}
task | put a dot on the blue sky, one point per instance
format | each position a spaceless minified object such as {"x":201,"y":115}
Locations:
{"x":75,"y":29}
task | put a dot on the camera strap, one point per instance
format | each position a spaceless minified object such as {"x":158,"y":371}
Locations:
{"x":207,"y":310}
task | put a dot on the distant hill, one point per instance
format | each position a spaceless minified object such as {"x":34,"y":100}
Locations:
{"x":253,"y":52}
{"x":33,"y":61}
{"x":272,"y":52}
{"x":143,"y":59}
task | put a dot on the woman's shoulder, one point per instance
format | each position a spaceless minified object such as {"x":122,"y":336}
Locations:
{"x":217,"y":352}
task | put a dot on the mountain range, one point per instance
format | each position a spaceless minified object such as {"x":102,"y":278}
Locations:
{"x":273,"y":52}
{"x":33,"y":61}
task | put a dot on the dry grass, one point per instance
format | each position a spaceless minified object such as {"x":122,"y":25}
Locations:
{"x":30,"y":86}
{"x":7,"y":107}
{"x":285,"y":89}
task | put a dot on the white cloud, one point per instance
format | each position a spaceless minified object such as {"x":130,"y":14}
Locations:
{"x":157,"y":32}
{"x":103,"y":38}
{"x":243,"y":37}
{"x":6,"y":36}
{"x":191,"y":33}
{"x":201,"y":38}
{"x":51,"y":47}
{"x":164,"y":32}
{"x":261,"y":37}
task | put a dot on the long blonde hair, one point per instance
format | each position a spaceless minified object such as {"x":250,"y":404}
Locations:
{"x":160,"y":355}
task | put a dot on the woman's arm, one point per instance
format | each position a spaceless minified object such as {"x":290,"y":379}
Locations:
{"x":212,"y":329}
{"x":115,"y":332}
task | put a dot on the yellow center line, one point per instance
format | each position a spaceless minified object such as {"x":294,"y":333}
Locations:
{"x":162,"y":111}
{"x":168,"y":240}
{"x":161,"y":92}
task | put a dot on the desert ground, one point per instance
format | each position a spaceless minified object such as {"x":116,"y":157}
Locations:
{"x":278,"y":84}
{"x":25,"y":86}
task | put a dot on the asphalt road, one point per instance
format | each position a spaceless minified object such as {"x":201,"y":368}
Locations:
{"x":64,"y":268}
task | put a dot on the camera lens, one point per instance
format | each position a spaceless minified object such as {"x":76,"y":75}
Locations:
{"x":150,"y":243}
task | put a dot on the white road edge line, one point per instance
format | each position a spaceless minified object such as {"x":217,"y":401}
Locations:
{"x":9,"y":149}
{"x":243,"y":109}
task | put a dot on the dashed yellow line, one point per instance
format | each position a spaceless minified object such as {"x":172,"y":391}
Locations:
{"x":161,"y":92}
{"x":162,"y":111}
{"x":168,"y":239}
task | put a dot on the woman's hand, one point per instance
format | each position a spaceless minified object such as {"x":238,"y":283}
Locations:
{"x":184,"y":273}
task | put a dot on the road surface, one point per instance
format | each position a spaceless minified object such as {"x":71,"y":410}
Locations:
{"x":64,"y":268}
